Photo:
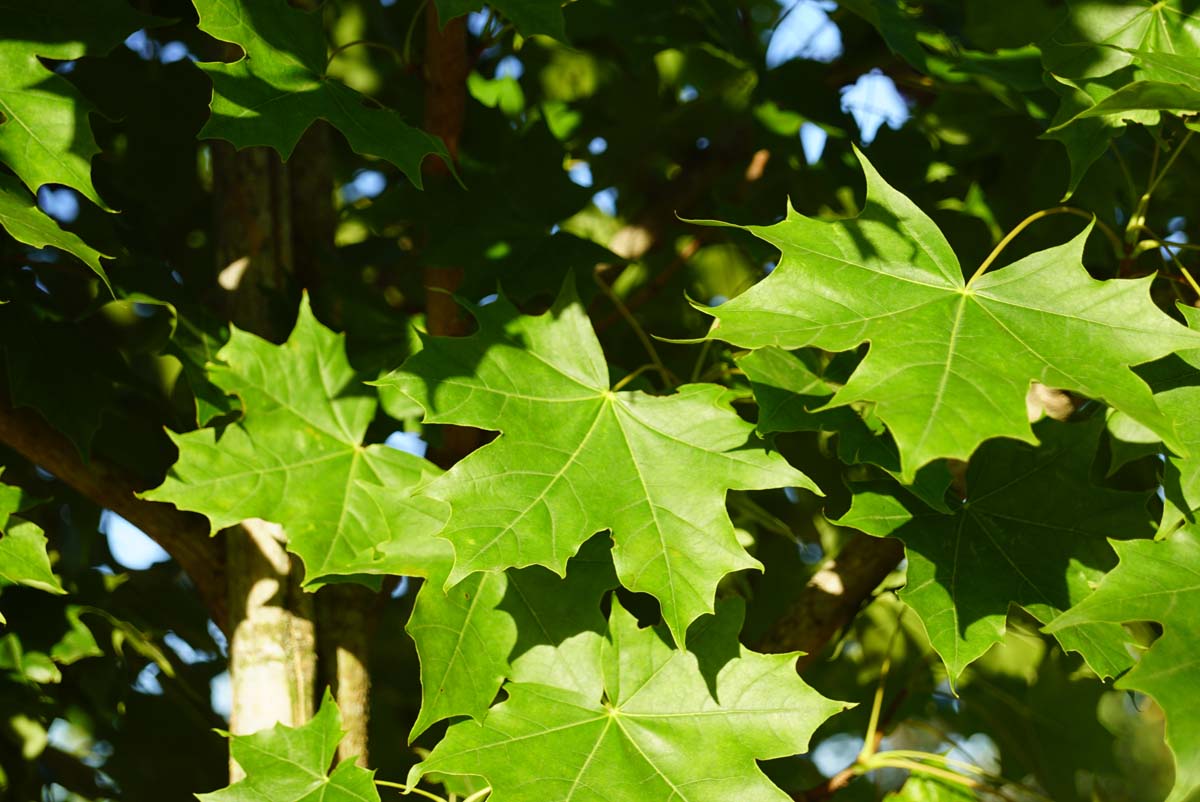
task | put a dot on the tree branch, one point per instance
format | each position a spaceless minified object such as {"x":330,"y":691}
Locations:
{"x":184,"y":535}
{"x":832,"y":597}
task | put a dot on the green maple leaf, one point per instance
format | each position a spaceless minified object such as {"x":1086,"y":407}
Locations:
{"x":664,"y":724}
{"x":1042,"y":711}
{"x":25,"y":222}
{"x":1096,"y":38}
{"x":575,"y":458}
{"x":44,"y":132}
{"x":1032,"y":532}
{"x":291,"y":764}
{"x":279,"y":88}
{"x":1176,"y":382}
{"x":787,"y":389}
{"x":1093,"y":112}
{"x":529,"y":625}
{"x":1156,"y":581}
{"x":23,"y":558}
{"x":1084,"y":134}
{"x":296,"y":456}
{"x":13,"y":499}
{"x":924,"y":789}
{"x":529,"y":16}
{"x":950,"y":361}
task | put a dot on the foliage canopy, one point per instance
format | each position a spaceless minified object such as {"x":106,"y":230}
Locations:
{"x":723,"y":399}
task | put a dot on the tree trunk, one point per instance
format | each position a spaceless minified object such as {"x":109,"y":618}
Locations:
{"x":272,"y":643}
{"x":344,"y":615}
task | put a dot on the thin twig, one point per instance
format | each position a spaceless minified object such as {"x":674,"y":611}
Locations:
{"x":647,"y":343}
{"x":1021,"y":226}
{"x":410,"y":789}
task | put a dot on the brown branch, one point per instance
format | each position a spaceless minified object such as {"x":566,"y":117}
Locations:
{"x":832,"y":597}
{"x":184,"y":535}
{"x":446,"y":71}
{"x":656,"y":285}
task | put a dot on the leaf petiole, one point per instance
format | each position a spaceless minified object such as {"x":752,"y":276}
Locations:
{"x":1033,"y":218}
{"x":406,"y":789}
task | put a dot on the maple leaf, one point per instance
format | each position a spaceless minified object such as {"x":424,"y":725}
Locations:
{"x":786,"y":389}
{"x":291,"y":764}
{"x":279,"y":88}
{"x":1096,"y":39}
{"x":1176,"y":384}
{"x":950,"y":361}
{"x":529,"y":625}
{"x":44,"y":132}
{"x":23,"y":558}
{"x":924,"y":789}
{"x":1094,"y":111}
{"x":1157,"y":581}
{"x":637,"y":734}
{"x":1032,"y":531}
{"x":25,"y":222}
{"x":575,"y":458}
{"x":296,"y":457}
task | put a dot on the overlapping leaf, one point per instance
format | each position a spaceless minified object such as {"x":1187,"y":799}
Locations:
{"x":575,"y":458}
{"x":1158,"y":581}
{"x":1043,"y":711}
{"x":1032,"y":532}
{"x":528,"y":625}
{"x":23,"y":558}
{"x":1093,"y":111}
{"x":24,"y":222}
{"x":950,"y":361}
{"x":44,"y":132}
{"x":292,"y":764}
{"x":639,"y":734}
{"x":1176,"y":382}
{"x":1097,"y":36}
{"x":279,"y":88}
{"x":786,"y":389}
{"x":296,"y":458}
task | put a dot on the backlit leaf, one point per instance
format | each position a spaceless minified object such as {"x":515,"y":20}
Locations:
{"x":642,"y":735}
{"x":575,"y":458}
{"x":950,"y":362}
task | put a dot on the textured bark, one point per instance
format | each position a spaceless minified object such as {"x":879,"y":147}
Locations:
{"x":445,"y":109}
{"x":183,"y":535}
{"x":254,"y":236}
{"x":344,"y":614}
{"x":832,"y":597}
{"x":272,"y":649}
{"x":272,"y":643}
{"x":314,"y":220}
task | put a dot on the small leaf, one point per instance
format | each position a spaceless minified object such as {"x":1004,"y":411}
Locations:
{"x":23,"y":559}
{"x":291,"y":764}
